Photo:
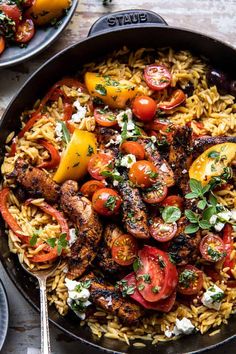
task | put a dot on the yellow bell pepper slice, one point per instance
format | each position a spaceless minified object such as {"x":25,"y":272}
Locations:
{"x":43,"y":12}
{"x":74,"y":160}
{"x":113,"y":93}
{"x":212,"y":162}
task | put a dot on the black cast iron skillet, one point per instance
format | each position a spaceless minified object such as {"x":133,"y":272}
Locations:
{"x":135,"y":29}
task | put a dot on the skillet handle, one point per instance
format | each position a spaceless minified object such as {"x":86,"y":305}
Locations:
{"x":125,"y":19}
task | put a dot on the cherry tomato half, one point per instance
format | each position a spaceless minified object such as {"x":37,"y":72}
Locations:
{"x":212,"y":248}
{"x":162,"y":231}
{"x":190,"y":280}
{"x":2,"y":44}
{"x":105,"y":117}
{"x":99,"y":164}
{"x":155,"y":194}
{"x":106,"y":201}
{"x":11,"y":11}
{"x":157,"y":77}
{"x":134,"y":148}
{"x":124,"y":250}
{"x":156,"y":277}
{"x":176,"y":98}
{"x":173,"y":200}
{"x":228,"y":240}
{"x":144,"y":108}
{"x":90,"y":187}
{"x":25,"y":31}
{"x":161,"y":305}
{"x":143,"y":173}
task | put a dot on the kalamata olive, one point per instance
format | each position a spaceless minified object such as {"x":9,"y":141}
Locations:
{"x":188,"y":90}
{"x":219,"y":79}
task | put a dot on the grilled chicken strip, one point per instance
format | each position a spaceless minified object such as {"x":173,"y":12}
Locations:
{"x":36,"y":182}
{"x":180,"y":155}
{"x":111,"y":300}
{"x":104,"y":257}
{"x":80,"y":211}
{"x":183,"y":248}
{"x":135,"y":217}
{"x":205,"y":142}
{"x":165,"y":172}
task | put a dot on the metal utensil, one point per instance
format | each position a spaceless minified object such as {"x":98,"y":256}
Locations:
{"x":42,"y":276}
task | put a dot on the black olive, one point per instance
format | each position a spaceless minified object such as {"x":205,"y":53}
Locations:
{"x":188,"y":90}
{"x":219,"y":79}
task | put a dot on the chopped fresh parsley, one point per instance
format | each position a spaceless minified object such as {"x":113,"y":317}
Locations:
{"x":217,"y":297}
{"x":111,"y":202}
{"x":101,"y":89}
{"x":187,"y":277}
{"x":90,"y":150}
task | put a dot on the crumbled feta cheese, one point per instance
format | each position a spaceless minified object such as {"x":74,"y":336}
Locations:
{"x":219,"y":226}
{"x":115,"y":142}
{"x":183,"y":326}
{"x":233,"y":214}
{"x":168,"y":333}
{"x":125,"y":116}
{"x":213,"y":219}
{"x":78,"y":296}
{"x":109,"y":300}
{"x":153,"y":139}
{"x":224,"y":215}
{"x":80,"y":114}
{"x":115,"y":183}
{"x":73,"y":236}
{"x":128,"y":160}
{"x":184,"y":171}
{"x":163,"y":168}
{"x":212,"y":297}
{"x":58,"y":130}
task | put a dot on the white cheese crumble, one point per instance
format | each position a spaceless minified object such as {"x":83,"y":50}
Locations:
{"x":233,"y":214}
{"x":73,"y":236}
{"x":78,"y":296}
{"x":183,"y":326}
{"x":80,"y":114}
{"x":58,"y":130}
{"x":168,"y":333}
{"x":220,"y":219}
{"x":212,"y":297}
{"x":163,"y":168}
{"x":125,"y":117}
{"x":128,"y":160}
{"x":114,"y":142}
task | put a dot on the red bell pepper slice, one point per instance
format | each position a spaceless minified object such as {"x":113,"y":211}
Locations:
{"x":53,"y":93}
{"x":44,"y":257}
{"x":229,"y":247}
{"x":68,"y":110}
{"x":48,"y":209}
{"x":8,"y":218}
{"x":176,"y":98}
{"x":55,"y":156}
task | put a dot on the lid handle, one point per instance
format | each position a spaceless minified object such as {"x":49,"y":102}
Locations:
{"x":126,"y":18}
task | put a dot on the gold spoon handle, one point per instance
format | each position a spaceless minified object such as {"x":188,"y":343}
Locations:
{"x":45,"y":337}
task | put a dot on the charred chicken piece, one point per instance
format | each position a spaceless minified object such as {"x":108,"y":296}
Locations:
{"x":180,"y":155}
{"x":106,"y":263}
{"x":135,"y":217}
{"x":111,"y":232}
{"x":205,"y":142}
{"x":106,"y":138}
{"x":104,"y":257}
{"x":36,"y":182}
{"x":111,"y":300}
{"x":183,"y":248}
{"x":79,"y":210}
{"x":165,"y":172}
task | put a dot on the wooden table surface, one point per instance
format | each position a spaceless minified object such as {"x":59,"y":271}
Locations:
{"x":213,"y":17}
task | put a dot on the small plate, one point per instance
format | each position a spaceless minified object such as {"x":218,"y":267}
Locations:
{"x":4,"y":315}
{"x":44,"y":36}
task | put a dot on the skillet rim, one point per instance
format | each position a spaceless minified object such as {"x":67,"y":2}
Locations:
{"x":103,"y":33}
